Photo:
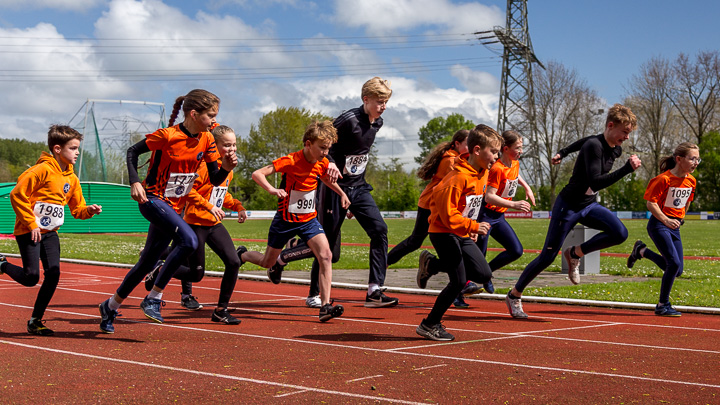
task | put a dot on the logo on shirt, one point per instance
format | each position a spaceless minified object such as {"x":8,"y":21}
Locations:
{"x":199,"y":156}
{"x":219,"y":203}
{"x":66,"y":188}
{"x":180,"y":190}
{"x":677,"y":202}
{"x":45,"y":221}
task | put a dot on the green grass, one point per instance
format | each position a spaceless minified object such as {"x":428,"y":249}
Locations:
{"x":698,"y":286}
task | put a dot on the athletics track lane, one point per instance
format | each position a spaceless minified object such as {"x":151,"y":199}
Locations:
{"x":282,"y":354}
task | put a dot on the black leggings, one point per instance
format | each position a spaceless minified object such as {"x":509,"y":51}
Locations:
{"x":219,"y":240}
{"x":47,"y":250}
{"x":463,"y":260}
{"x":414,"y":241}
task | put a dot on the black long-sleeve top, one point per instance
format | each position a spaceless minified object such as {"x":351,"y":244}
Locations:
{"x":592,"y":171}
{"x":356,"y":136}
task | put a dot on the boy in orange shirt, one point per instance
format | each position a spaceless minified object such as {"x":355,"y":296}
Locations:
{"x":454,"y":228}
{"x":38,"y":199}
{"x":668,"y":197}
{"x":296,"y":213}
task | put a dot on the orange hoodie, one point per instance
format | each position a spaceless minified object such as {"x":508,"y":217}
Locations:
{"x":46,"y":183}
{"x":197,"y":210}
{"x":449,"y":210}
{"x":446,"y":165}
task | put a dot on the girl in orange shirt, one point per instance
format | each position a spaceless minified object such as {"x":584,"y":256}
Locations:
{"x":668,"y":197}
{"x":439,"y":162}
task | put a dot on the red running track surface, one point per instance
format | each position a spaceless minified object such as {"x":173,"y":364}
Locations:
{"x":281,"y":353}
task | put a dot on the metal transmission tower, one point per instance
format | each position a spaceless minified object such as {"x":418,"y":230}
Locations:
{"x":516,"y":109}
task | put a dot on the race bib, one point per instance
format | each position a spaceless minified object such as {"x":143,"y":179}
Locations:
{"x":301,"y":202}
{"x":48,"y":216}
{"x":472,"y":206}
{"x":355,"y":164}
{"x":179,"y":184}
{"x":218,"y":196}
{"x":510,"y":189}
{"x":677,"y":197}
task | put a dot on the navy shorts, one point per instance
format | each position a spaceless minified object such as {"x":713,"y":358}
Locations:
{"x":282,"y":231}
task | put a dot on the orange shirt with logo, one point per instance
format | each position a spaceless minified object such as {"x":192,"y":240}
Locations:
{"x":456,"y":201}
{"x":671,"y":193}
{"x":447,"y":163}
{"x":505,"y":180}
{"x":204,"y":196}
{"x":300,"y":179}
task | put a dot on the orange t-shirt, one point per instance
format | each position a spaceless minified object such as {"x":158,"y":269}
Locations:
{"x":505,"y":180}
{"x":175,"y":160}
{"x":446,"y":165}
{"x":671,"y":193}
{"x":204,"y":196}
{"x":457,"y":200}
{"x":300,"y":179}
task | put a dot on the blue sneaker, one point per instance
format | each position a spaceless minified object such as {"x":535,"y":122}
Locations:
{"x":151,"y":308}
{"x":489,"y":287}
{"x":460,"y":302}
{"x":666,"y":310}
{"x":471,"y":288}
{"x":107,"y":316}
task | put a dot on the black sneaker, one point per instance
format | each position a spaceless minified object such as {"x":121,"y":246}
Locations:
{"x":460,"y":302}
{"x":3,"y":260}
{"x":423,"y":274}
{"x":150,"y":278}
{"x":223,"y":316}
{"x":489,"y":287}
{"x":378,"y":299}
{"x":635,"y":253}
{"x":240,"y":250}
{"x":666,"y":310}
{"x":470,"y":289}
{"x":434,"y":332}
{"x":190,"y":302}
{"x":275,"y":273}
{"x":37,"y":327}
{"x":328,"y":311}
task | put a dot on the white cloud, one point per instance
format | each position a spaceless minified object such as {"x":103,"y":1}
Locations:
{"x":72,"y":5}
{"x":388,"y":16}
{"x":476,"y":81}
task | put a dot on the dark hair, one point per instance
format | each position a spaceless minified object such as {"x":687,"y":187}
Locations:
{"x":433,"y":159}
{"x":509,"y":138}
{"x":198,"y":100}
{"x":482,"y":135}
{"x":668,"y":162}
{"x":61,"y":134}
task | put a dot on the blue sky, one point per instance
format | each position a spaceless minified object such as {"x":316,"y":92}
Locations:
{"x":332,"y":47}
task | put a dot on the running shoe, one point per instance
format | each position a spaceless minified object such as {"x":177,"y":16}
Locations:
{"x":489,"y":287}
{"x":223,"y":316}
{"x":313,"y":302}
{"x":107,"y":317}
{"x":635,"y":254}
{"x":460,"y":302}
{"x":275,"y":273}
{"x":151,"y":307}
{"x":573,"y":266}
{"x":434,"y":332}
{"x":470,"y":289}
{"x":666,"y":310}
{"x":37,"y":327}
{"x":329,"y":311}
{"x":150,"y":277}
{"x":3,"y":260}
{"x":190,"y":302}
{"x":514,"y":305}
{"x":423,"y":274}
{"x":240,"y":250}
{"x":378,"y":299}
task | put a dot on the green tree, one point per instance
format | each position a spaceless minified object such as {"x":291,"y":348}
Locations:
{"x":394,"y":189}
{"x":16,"y":155}
{"x":626,"y":194}
{"x":440,"y":129}
{"x":277,"y":133}
{"x":707,"y":195}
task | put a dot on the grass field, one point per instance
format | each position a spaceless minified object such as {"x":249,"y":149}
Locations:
{"x":699,"y":284}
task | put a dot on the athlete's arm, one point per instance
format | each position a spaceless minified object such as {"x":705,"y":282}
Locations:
{"x":216,"y":174}
{"x":260,"y":177}
{"x":137,"y":192}
{"x":344,"y":200}
{"x":492,"y":198}
{"x":592,"y":153}
{"x":573,"y":147}
{"x":655,"y":210}
{"x":528,"y":191}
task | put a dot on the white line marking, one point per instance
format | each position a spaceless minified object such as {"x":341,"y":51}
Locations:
{"x":425,"y":368}
{"x":365,"y":378}
{"x":208,"y":374}
{"x":290,"y":393}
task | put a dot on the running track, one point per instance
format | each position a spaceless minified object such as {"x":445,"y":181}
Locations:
{"x":282,"y":354}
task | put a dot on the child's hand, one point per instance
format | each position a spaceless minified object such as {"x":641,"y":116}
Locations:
{"x":229,"y":161}
{"x":218,"y":213}
{"x":279,"y":193}
{"x":484,"y":228}
{"x":473,"y":236}
{"x":94,"y":209}
{"x":137,"y":192}
{"x":530,"y":196}
{"x":35,"y":235}
{"x":523,"y":206}
{"x":242,"y":216}
{"x":345,"y":202}
{"x":556,"y":160}
{"x":333,"y":172}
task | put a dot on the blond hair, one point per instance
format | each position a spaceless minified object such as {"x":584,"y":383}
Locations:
{"x":377,"y":87}
{"x":220,"y":131}
{"x":322,"y":130}
{"x":619,"y":114}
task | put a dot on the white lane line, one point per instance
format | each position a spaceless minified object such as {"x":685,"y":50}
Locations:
{"x":365,"y":378}
{"x":425,"y":368}
{"x":290,"y":393}
{"x":395,"y":351}
{"x":208,"y":374}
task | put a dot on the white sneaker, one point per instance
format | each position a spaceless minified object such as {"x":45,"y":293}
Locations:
{"x":573,"y":266}
{"x":313,"y":302}
{"x":515,"y":307}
